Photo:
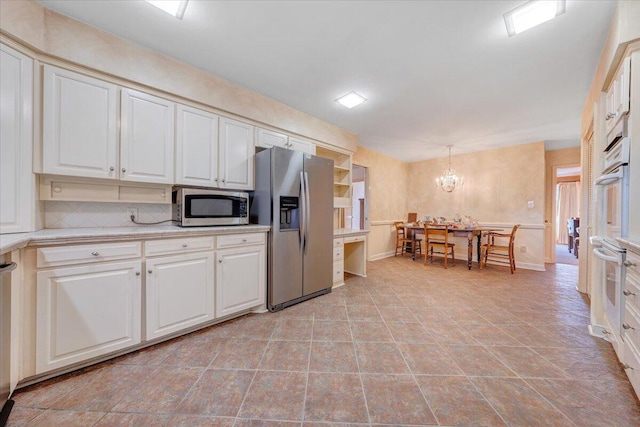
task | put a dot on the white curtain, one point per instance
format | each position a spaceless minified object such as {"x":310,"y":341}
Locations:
{"x":567,"y":206}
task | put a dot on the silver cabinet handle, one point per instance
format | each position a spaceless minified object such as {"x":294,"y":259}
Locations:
{"x":604,"y":331}
{"x":627,"y":292}
{"x":629,"y":264}
{"x":150,"y":271}
{"x":112,"y":168}
{"x":216,"y":179}
{"x":223,"y":180}
{"x":244,"y":240}
{"x":628,"y":326}
{"x":184,"y":245}
{"x":94,"y":253}
{"x":137,"y":273}
{"x":124,"y":170}
{"x":219,"y":261}
{"x":626,"y":366}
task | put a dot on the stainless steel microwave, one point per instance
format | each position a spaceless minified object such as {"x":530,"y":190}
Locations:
{"x":197,"y":207}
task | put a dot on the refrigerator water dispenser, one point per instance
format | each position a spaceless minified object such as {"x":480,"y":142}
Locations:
{"x":289,"y":213}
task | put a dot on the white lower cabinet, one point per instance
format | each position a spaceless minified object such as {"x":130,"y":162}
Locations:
{"x":179,"y":293}
{"x":240,"y":279}
{"x":84,"y":312}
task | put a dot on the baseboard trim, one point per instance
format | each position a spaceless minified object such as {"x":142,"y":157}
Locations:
{"x":382,"y":255}
{"x":530,"y":266}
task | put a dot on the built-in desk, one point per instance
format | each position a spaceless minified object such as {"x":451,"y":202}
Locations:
{"x":349,"y":254}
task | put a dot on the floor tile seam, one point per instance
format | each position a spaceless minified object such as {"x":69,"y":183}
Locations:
{"x":188,"y":393}
{"x":532,"y":348}
{"x":307,"y":372}
{"x":364,"y":395}
{"x":550,"y":402}
{"x":410,"y":374}
{"x":255,"y":373}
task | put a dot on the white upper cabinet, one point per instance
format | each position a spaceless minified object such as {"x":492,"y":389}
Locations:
{"x":16,"y":142}
{"x":303,"y":145}
{"x":196,"y":147}
{"x":146,"y":138}
{"x":267,"y":139}
{"x":79,"y":125}
{"x":617,"y":99}
{"x":236,"y":155}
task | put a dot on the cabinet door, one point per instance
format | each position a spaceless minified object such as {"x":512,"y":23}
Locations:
{"x":240,"y":279}
{"x":180,"y":293}
{"x":79,"y":125}
{"x":16,"y":142}
{"x":146,"y":138}
{"x":84,"y":312}
{"x":302,"y":145}
{"x":267,"y":139}
{"x":236,"y":155}
{"x":196,"y":147}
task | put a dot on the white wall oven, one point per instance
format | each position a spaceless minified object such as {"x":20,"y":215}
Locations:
{"x":613,"y":273}
{"x":614,"y":223}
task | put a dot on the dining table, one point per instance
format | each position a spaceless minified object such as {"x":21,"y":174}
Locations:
{"x":469,"y":232}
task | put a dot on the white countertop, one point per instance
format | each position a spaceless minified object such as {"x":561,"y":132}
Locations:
{"x":345,"y":232}
{"x":630,"y":244}
{"x":11,"y":242}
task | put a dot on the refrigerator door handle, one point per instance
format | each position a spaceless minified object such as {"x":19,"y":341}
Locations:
{"x":307,"y":211}
{"x":302,"y":230}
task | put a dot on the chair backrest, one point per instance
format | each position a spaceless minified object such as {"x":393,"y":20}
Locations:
{"x":439,"y":234}
{"x":399,"y":229}
{"x":512,"y":239}
{"x":412,"y":217}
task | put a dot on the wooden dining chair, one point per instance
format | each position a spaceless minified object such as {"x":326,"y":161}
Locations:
{"x":404,"y":242}
{"x":498,"y":250}
{"x":412,"y":217}
{"x":438,"y":238}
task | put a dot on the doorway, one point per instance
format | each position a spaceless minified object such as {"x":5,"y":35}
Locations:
{"x":358,"y":217}
{"x":567,"y":215}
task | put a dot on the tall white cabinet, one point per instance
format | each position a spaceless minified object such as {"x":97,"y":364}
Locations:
{"x":80,"y":130}
{"x":17,"y":198}
{"x":236,"y":151}
{"x":146,"y":138}
{"x":196,"y":147}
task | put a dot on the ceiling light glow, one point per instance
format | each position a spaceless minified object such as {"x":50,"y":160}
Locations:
{"x":531,"y":14}
{"x":172,"y":7}
{"x":351,"y":100}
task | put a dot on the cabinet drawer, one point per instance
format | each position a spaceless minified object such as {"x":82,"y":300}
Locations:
{"x":174,"y":246}
{"x":632,"y":287}
{"x":631,"y":326}
{"x":338,"y":243}
{"x":352,"y":239}
{"x":338,"y":254}
{"x":338,"y":272}
{"x":633,"y":264}
{"x":82,"y":254}
{"x":232,"y":240}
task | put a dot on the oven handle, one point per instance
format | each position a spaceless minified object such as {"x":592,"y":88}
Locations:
{"x":610,"y":177}
{"x":598,"y":252}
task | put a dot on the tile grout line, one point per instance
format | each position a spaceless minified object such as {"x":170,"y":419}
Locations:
{"x":355,"y":353}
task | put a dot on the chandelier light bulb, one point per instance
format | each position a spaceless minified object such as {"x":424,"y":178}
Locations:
{"x":449,"y":180}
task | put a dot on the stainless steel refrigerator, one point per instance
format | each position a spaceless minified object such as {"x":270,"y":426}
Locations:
{"x":294,"y":195}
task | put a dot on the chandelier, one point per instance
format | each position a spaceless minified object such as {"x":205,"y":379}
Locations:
{"x":449,"y":180}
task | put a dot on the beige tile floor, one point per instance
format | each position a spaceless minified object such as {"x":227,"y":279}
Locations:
{"x":409,"y":345}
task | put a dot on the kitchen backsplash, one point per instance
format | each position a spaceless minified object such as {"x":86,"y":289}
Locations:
{"x":85,"y":214}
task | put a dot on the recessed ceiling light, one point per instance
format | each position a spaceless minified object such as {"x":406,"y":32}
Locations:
{"x":351,"y":100}
{"x":172,"y":7}
{"x":532,"y":13}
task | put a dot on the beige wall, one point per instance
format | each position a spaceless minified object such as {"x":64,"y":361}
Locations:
{"x":554,"y":160}
{"x":50,"y":33}
{"x":388,"y":183}
{"x":498,"y":185}
{"x":396,"y":188}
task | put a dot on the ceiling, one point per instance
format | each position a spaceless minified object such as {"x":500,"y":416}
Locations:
{"x":434,"y":72}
